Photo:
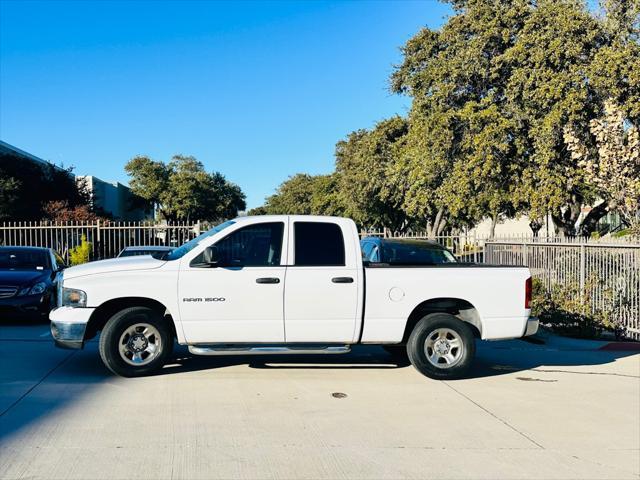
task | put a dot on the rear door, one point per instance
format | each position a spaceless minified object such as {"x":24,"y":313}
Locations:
{"x":321,"y":292}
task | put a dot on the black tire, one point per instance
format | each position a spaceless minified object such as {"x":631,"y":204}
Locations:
{"x":125,"y":320}
{"x":431,"y":327}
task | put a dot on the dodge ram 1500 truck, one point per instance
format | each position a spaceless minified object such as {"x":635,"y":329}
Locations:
{"x":291,"y":284}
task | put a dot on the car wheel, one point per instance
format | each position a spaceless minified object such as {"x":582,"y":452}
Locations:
{"x":135,"y":342}
{"x":441,"y":346}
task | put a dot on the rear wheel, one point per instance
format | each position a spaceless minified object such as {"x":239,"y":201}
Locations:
{"x":135,"y":342}
{"x":441,"y":346}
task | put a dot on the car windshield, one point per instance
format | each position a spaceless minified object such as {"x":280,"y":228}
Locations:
{"x":415,"y":253}
{"x":191,"y":244}
{"x":19,"y":259}
{"x":135,"y":253}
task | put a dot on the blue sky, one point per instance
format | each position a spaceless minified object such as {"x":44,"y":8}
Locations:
{"x":257,"y":90}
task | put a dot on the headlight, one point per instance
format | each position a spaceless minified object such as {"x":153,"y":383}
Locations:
{"x":36,"y":289}
{"x":73,"y":298}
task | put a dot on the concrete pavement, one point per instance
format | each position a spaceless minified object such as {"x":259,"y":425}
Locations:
{"x":528,"y":411}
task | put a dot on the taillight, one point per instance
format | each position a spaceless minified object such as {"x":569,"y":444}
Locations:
{"x":527,"y":293}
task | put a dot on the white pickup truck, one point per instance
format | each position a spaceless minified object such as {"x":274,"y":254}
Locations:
{"x":291,"y":284}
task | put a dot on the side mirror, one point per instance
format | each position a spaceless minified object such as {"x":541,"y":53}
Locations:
{"x":210,"y":256}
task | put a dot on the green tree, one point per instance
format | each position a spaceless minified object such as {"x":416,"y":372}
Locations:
{"x":27,"y":187}
{"x":9,"y":197}
{"x":493,"y":92}
{"x":150,"y":181}
{"x":372,"y":186}
{"x":615,"y":70}
{"x":613,"y":167}
{"x":303,"y":194}
{"x":481,"y":182}
{"x":293,"y":197}
{"x":460,"y":151}
{"x":547,"y":89}
{"x":183,"y":190}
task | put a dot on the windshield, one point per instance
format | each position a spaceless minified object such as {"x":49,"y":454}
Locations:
{"x":191,"y":244}
{"x":415,"y":253}
{"x":136,"y":253}
{"x":18,"y":259}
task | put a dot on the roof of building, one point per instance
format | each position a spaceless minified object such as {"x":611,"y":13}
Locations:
{"x":10,"y":149}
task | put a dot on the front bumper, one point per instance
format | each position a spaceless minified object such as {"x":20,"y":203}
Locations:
{"x":532,"y":326}
{"x":68,"y":326}
{"x":24,"y":306}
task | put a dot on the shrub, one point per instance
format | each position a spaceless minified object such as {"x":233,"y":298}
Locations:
{"x":80,"y":253}
{"x":568,"y":311}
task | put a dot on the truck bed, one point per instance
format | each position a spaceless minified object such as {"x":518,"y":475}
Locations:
{"x":392,"y":292}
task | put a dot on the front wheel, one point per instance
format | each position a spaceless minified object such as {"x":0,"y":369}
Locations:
{"x":441,"y":346}
{"x":135,"y":342}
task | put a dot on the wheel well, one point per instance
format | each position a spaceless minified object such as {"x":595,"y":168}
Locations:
{"x":454,"y":306}
{"x":104,"y":312}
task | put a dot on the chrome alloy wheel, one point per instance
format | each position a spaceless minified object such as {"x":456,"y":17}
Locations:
{"x":444,"y":348}
{"x":140,"y":344}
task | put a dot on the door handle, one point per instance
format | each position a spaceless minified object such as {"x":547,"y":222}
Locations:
{"x":268,"y":280}
{"x":342,"y":280}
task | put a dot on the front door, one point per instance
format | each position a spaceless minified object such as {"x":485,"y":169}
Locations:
{"x":241,"y":299}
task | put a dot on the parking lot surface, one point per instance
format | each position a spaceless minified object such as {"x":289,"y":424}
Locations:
{"x":527,"y":411}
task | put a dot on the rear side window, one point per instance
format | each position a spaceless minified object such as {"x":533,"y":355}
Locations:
{"x":318,"y":244}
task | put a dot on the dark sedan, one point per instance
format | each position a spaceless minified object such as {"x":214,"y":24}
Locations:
{"x":404,"y":251}
{"x":28,"y":281}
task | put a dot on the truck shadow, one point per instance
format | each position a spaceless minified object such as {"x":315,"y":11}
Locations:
{"x":492,"y":359}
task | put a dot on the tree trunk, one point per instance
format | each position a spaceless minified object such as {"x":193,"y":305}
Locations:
{"x":441,"y":226}
{"x":494,"y":222}
{"x":590,"y":222}
{"x":535,"y":226}
{"x":565,"y":222}
{"x":436,"y":227}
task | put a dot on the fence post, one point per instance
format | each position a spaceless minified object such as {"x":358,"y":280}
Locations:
{"x":97,"y":245}
{"x":474,"y":242}
{"x":525,"y":255}
{"x":582,"y":270}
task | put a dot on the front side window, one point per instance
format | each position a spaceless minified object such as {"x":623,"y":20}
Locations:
{"x":318,"y":244}
{"x":258,"y":245}
{"x":191,"y":244}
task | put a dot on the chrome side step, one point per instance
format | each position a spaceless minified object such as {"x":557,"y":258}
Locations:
{"x":267,"y":350}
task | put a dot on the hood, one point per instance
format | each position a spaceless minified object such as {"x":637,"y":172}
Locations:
{"x":22,"y":277}
{"x":122,"y":264}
